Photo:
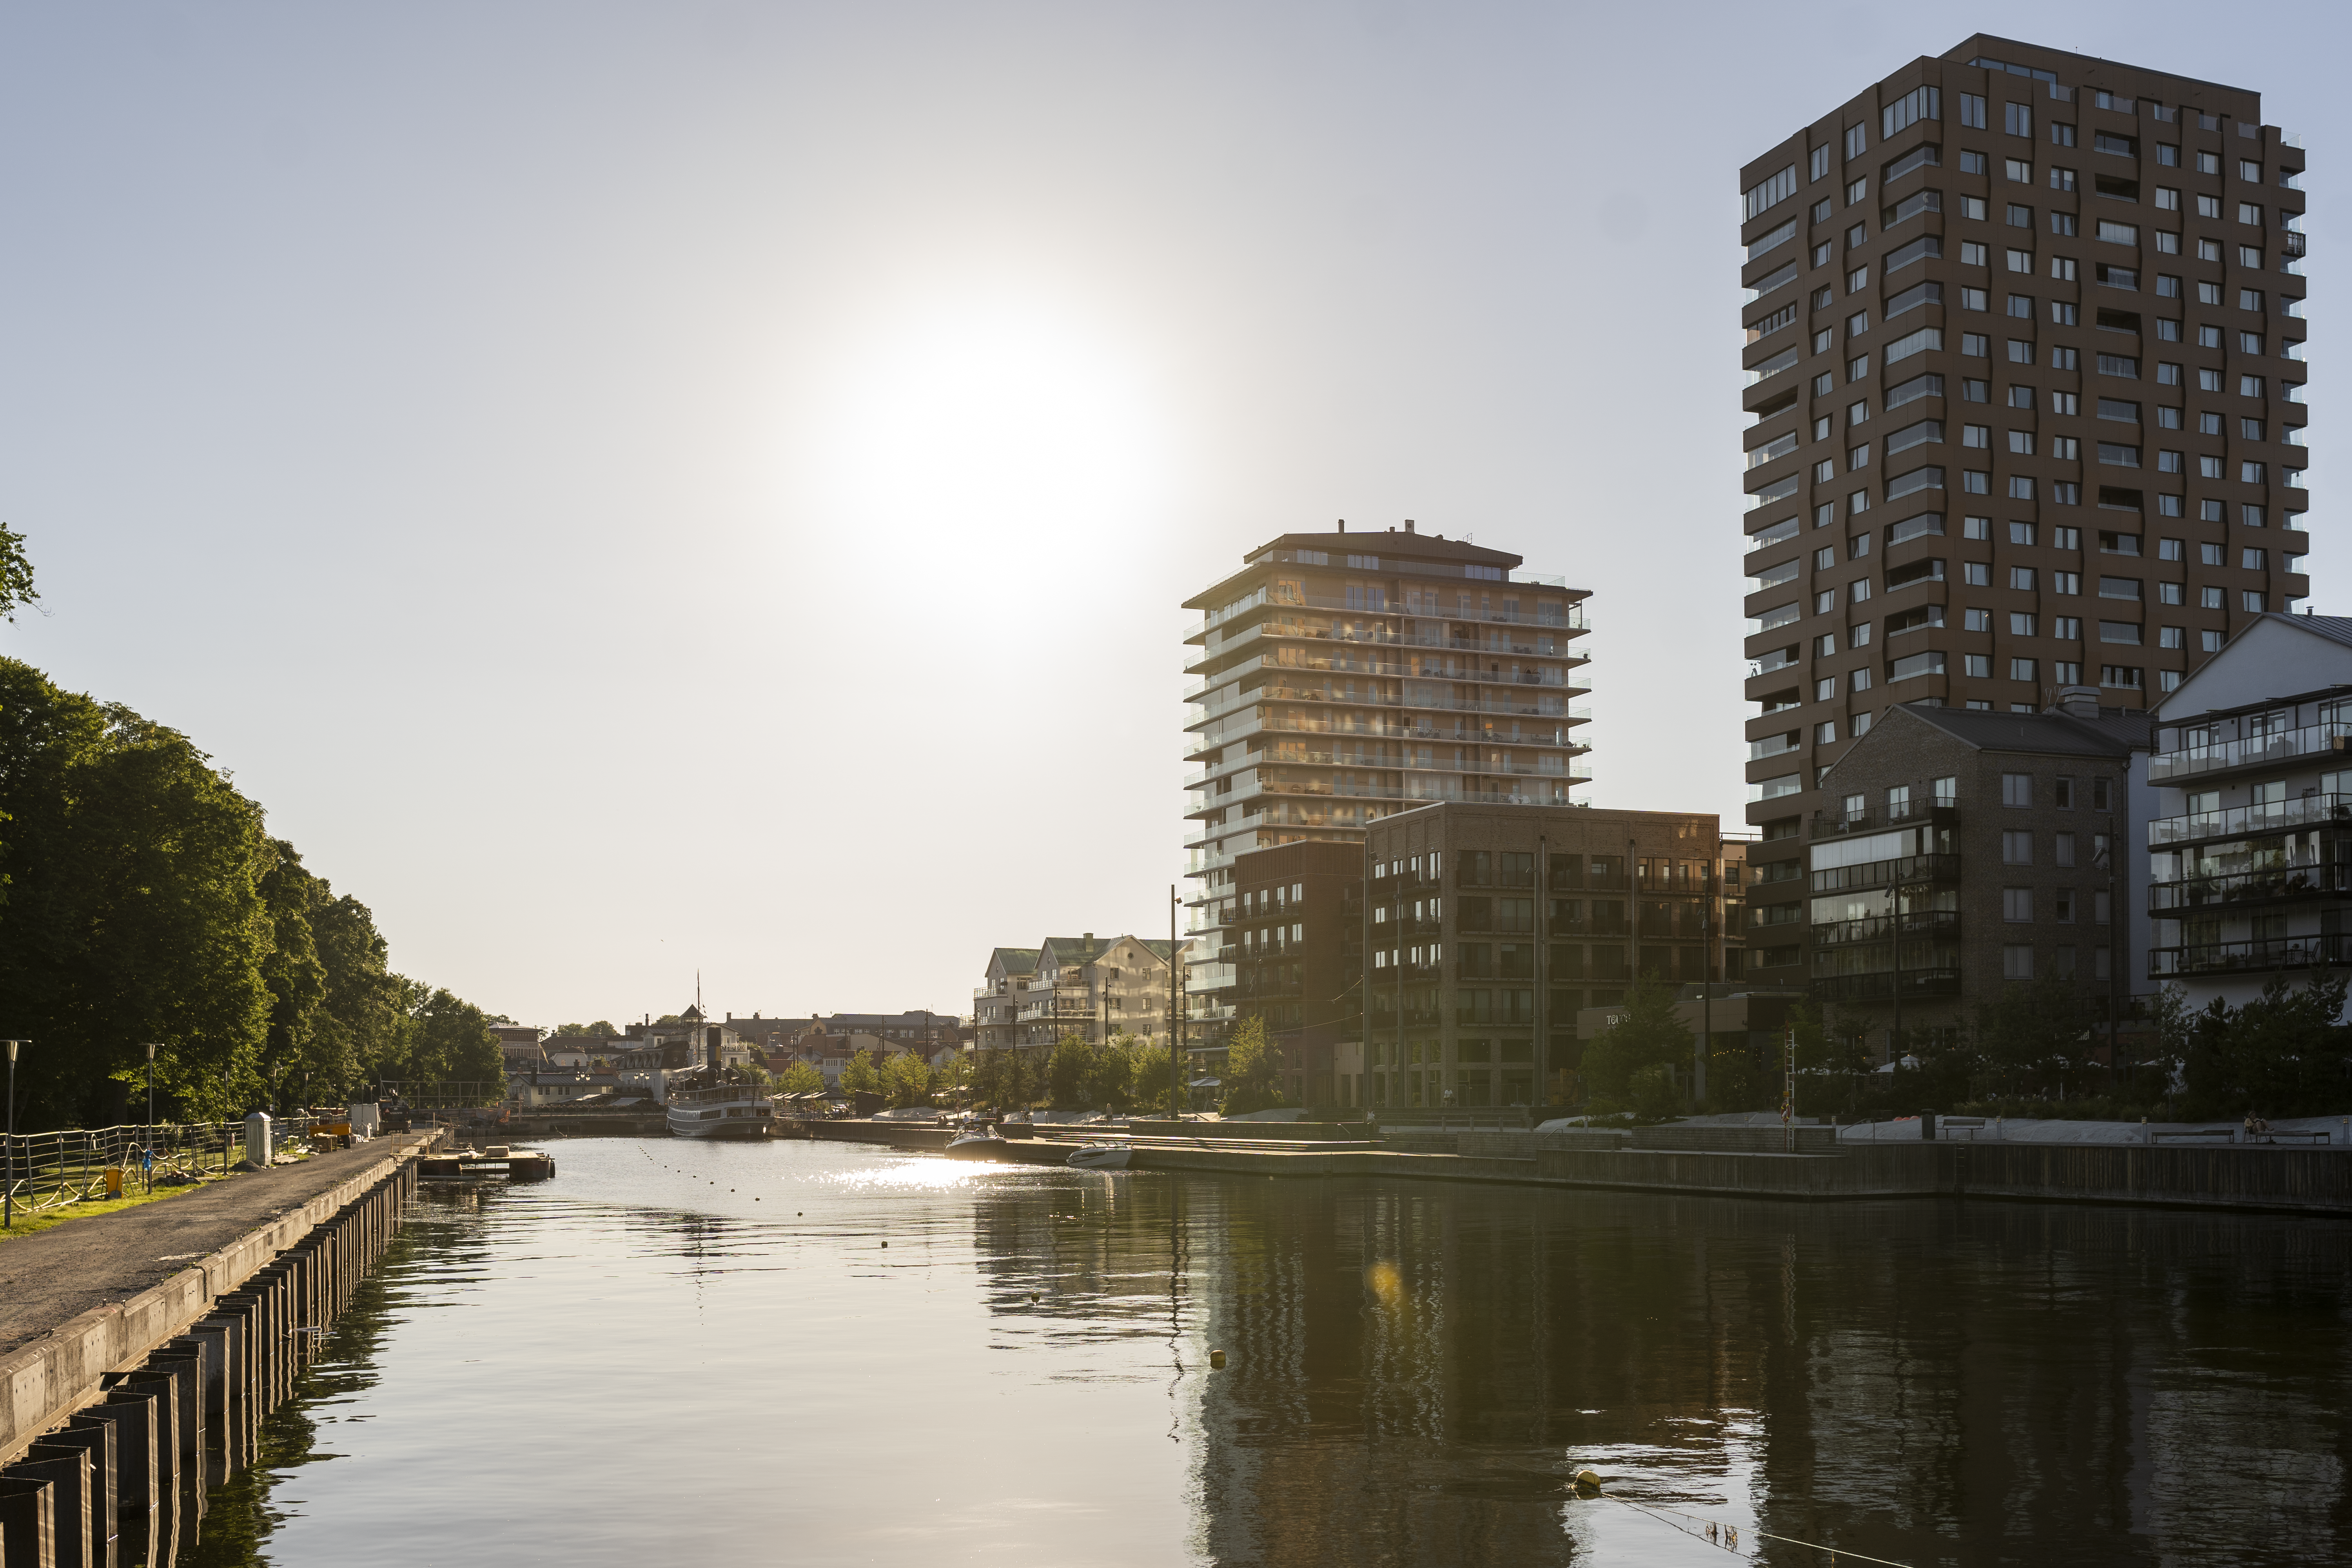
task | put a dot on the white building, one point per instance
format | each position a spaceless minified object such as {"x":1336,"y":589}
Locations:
{"x":2251,"y":845}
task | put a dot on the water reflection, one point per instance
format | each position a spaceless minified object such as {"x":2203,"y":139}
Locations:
{"x":840,"y":1354}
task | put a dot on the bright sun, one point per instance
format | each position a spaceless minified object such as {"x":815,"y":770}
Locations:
{"x":991,"y":412}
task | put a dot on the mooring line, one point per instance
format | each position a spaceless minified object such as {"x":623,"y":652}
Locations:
{"x":1727,"y":1536}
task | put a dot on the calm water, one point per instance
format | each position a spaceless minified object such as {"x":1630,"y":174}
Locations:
{"x":683,"y":1352}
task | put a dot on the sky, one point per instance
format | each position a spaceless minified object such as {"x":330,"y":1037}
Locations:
{"x":641,"y":490}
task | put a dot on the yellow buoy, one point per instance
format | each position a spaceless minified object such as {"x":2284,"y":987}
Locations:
{"x":1216,"y":1358}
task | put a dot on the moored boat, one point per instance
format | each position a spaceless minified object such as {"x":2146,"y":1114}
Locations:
{"x":723,"y":1110}
{"x":1100,"y":1157}
{"x":978,"y":1141}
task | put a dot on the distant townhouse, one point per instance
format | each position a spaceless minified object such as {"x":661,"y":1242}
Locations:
{"x":1080,"y":985}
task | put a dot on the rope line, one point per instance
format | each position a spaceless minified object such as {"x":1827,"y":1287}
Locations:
{"x":1727,"y":1536}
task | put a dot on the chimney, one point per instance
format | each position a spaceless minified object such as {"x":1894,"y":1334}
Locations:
{"x":1408,"y":525}
{"x":2078,"y":701}
{"x":1343,"y":525}
{"x":1089,"y":936}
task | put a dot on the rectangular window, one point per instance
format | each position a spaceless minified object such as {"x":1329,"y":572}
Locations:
{"x":2023,"y":669}
{"x":1973,"y":111}
{"x":1769,"y":193}
{"x":2017,"y":905}
{"x":2017,"y":961}
{"x":2017,"y":847}
{"x":2017,"y":118}
{"x":1919,"y":103}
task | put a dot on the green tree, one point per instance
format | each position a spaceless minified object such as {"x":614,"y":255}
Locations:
{"x":358,"y":1024}
{"x":1148,"y":1085}
{"x":2032,"y":1029}
{"x":802,"y":1077}
{"x":860,"y":1077}
{"x":15,"y":574}
{"x":601,"y":1027}
{"x":298,"y":985}
{"x":135,"y":910}
{"x":1068,"y":1070}
{"x":1647,"y":1034}
{"x":2282,"y":1054}
{"x":453,"y":1045}
{"x":1252,"y":1070}
{"x":1114,"y":1067}
{"x":907,"y":1078}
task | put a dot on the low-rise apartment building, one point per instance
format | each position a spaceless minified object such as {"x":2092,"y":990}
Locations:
{"x":2249,"y":848}
{"x":1488,"y":930}
{"x":1967,"y":850}
{"x":1082,"y":985}
{"x":1295,"y":930}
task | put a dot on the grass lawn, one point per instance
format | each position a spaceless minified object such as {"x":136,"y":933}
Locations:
{"x":29,"y":1222}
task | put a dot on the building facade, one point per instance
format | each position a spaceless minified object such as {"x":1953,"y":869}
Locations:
{"x":1093,"y":988}
{"x":1965,"y":851}
{"x":1297,"y":927}
{"x":1343,"y":676}
{"x":2250,"y":853}
{"x":2025,"y":359}
{"x":1488,"y":930}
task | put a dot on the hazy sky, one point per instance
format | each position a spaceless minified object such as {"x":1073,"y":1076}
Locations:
{"x":633,"y":488}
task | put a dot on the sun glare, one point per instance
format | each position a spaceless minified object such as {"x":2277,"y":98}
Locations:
{"x":994,"y":412}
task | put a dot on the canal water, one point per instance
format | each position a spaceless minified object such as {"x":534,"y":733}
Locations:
{"x":821,"y":1353}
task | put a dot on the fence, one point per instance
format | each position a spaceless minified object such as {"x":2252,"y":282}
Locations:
{"x":51,"y":1170}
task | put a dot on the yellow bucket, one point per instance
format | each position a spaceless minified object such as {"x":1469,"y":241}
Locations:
{"x":114,"y":1181}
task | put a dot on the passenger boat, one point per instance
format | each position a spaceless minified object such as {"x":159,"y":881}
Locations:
{"x":977,"y":1142}
{"x":722,"y":1110}
{"x":1100,"y":1157}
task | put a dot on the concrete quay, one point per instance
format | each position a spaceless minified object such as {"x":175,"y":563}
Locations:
{"x":140,"y":1350}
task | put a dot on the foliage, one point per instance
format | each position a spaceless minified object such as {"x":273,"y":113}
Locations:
{"x":802,"y":1077}
{"x":860,"y":1077}
{"x":907,"y":1078}
{"x":1252,"y":1063}
{"x":602,"y":1026}
{"x":1149,"y":1085}
{"x":15,"y":574}
{"x":1655,"y":1094}
{"x":2282,"y":1054}
{"x":1068,"y":1072}
{"x":1647,"y":1034}
{"x":1736,"y":1082}
{"x":452,"y":1042}
{"x":2032,"y":1029}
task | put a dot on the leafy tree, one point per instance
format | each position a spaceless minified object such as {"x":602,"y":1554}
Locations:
{"x":297,"y":981}
{"x":15,"y":574}
{"x":1069,"y":1070}
{"x":602,"y":1027}
{"x":802,"y":1077}
{"x":2282,"y":1054}
{"x":1736,"y":1081}
{"x":135,"y":909}
{"x":2031,"y":1029}
{"x":860,"y":1077}
{"x":1252,"y":1066}
{"x":1114,"y":1067}
{"x":907,"y":1078}
{"x":452,"y":1043}
{"x":358,"y":1026}
{"x":1147,"y":1086}
{"x":1646,"y":1036}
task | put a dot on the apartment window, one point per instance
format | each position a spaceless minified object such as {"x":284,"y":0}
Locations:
{"x":2021,"y":579}
{"x":2017,"y":847}
{"x":2017,"y":905}
{"x":2023,"y":669}
{"x":2017,"y":789}
{"x":1978,"y":436}
{"x":1977,"y":666}
{"x":2017,"y":961}
{"x":1976,"y":620}
{"x":2017,"y":118}
{"x":2021,"y":261}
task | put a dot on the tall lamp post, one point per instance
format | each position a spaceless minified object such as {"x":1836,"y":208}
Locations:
{"x":8,"y":1179}
{"x":150,"y":1161}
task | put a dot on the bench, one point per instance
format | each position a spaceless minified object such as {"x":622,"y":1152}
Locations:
{"x":2293,"y":1135}
{"x":2225,"y":1133}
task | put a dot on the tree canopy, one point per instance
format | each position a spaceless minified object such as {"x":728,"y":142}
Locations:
{"x":146,"y":902}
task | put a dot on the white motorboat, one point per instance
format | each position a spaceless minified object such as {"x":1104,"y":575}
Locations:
{"x":1100,"y":1157}
{"x":977,"y":1142}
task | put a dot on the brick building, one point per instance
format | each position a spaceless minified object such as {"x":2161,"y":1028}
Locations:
{"x":1962,"y":851}
{"x":1298,"y":941}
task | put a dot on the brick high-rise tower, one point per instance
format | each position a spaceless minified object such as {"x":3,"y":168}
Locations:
{"x":2025,"y":366}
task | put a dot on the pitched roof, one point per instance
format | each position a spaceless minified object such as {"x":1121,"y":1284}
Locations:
{"x":1015,"y":960}
{"x":2335,"y":628}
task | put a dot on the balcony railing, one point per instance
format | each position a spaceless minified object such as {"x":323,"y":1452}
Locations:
{"x":1882,"y":873}
{"x":1881,"y":987}
{"x":1921,"y":806}
{"x":2251,"y":887}
{"x":2270,"y":816}
{"x":2252,"y":751}
{"x":2255,"y":957}
{"x":1551,"y":675}
{"x":1879,"y":928}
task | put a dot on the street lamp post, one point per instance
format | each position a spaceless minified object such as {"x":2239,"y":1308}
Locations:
{"x":8,"y":1179}
{"x":150,"y":1161}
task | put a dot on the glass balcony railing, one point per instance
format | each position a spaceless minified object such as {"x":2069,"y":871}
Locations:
{"x":2270,"y":817}
{"x":2252,"y":751}
{"x":1423,"y":608}
{"x":2268,"y":885}
{"x":1320,"y":663}
{"x":2246,"y":957}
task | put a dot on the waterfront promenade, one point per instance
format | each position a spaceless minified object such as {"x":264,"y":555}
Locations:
{"x":93,"y":1296}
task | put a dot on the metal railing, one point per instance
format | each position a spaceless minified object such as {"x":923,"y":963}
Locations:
{"x":2250,"y":887}
{"x":2254,"y":956}
{"x":2270,"y":817}
{"x":1922,"y":804}
{"x":1878,"y":928}
{"x":56,"y":1170}
{"x":1878,"y":873}
{"x":2282,"y":745}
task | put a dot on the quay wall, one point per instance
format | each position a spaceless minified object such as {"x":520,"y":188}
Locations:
{"x":114,"y":1420}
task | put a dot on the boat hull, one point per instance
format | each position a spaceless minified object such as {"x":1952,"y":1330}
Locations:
{"x":696,"y":1122}
{"x":978,"y":1149}
{"x":1100,"y":1157}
